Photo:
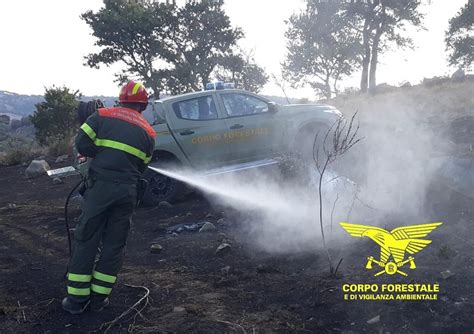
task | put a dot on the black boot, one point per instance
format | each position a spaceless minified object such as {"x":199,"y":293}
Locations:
{"x":98,"y":302}
{"x":74,"y":307}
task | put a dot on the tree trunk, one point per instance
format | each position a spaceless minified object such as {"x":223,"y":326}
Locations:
{"x":156,"y":90}
{"x":327,"y":86}
{"x":151,"y":83}
{"x":366,"y":39}
{"x":204,"y":78}
{"x":156,"y":93}
{"x":373,"y":64}
{"x":365,"y":58}
{"x":375,"y":53}
{"x":336,"y":80}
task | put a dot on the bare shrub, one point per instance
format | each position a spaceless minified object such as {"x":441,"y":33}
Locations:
{"x":339,"y":139}
{"x":18,"y":152}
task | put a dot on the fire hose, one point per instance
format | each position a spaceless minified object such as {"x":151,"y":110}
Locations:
{"x":84,"y":110}
{"x":66,"y":219}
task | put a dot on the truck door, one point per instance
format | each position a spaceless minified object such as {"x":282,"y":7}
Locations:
{"x":199,"y":129}
{"x":253,"y":132}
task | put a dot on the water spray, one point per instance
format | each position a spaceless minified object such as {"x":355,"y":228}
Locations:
{"x":211,"y":185}
{"x":280,"y":214}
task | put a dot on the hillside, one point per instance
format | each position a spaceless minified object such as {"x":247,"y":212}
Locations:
{"x":441,"y":99}
{"x":18,"y":105}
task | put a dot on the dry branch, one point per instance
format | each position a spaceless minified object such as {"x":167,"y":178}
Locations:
{"x":233,"y":325}
{"x":108,"y":325}
{"x":337,"y":267}
{"x":334,"y":208}
{"x":22,"y":310}
{"x":343,"y":139}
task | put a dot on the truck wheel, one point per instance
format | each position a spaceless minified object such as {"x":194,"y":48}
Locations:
{"x":161,"y":189}
{"x":305,"y":143}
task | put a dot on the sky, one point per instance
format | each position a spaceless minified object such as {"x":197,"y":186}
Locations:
{"x":44,"y":44}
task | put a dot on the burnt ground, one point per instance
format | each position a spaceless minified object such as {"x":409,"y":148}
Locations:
{"x":194,"y":291}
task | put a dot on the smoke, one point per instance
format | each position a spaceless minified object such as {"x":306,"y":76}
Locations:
{"x":397,"y":160}
{"x":395,"y":163}
{"x":278,"y":214}
{"x":382,"y":181}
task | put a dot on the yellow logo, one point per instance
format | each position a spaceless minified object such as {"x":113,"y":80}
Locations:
{"x":393,"y":244}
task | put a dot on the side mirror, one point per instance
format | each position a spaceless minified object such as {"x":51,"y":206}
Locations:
{"x":272,"y":107}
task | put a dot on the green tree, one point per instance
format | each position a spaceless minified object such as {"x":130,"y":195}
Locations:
{"x":460,"y":38}
{"x":134,"y":35}
{"x":242,"y":70}
{"x":201,"y":39}
{"x":171,"y":49}
{"x":322,"y":47}
{"x":55,"y":119}
{"x":381,"y":25}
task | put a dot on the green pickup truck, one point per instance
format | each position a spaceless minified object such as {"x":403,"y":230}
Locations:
{"x":222,"y":130}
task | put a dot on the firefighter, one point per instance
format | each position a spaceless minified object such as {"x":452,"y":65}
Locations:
{"x":120,"y":142}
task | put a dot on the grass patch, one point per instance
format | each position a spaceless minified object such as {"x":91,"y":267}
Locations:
{"x":19,"y":151}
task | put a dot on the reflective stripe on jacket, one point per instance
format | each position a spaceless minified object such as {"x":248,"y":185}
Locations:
{"x":121,"y":142}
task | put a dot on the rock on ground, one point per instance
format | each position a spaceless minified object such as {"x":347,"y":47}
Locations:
{"x":447,"y":274}
{"x":406,"y":84}
{"x":155,"y":249}
{"x":223,"y":249}
{"x":221,"y":221}
{"x":61,"y":158}
{"x":165,"y":205}
{"x":37,"y":168}
{"x":225,"y":270}
{"x":384,"y":88}
{"x":207,"y":227}
{"x":57,"y":180}
{"x":374,"y":320}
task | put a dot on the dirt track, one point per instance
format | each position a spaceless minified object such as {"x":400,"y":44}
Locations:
{"x":191,"y":288}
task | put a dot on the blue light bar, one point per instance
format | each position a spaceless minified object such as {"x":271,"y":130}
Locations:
{"x":210,"y":86}
{"x":219,"y":85}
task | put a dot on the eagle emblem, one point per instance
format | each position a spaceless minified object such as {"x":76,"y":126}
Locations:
{"x":393,"y":244}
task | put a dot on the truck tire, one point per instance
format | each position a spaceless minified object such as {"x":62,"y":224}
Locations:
{"x":161,"y":189}
{"x":305,"y":142}
{"x":299,"y":165}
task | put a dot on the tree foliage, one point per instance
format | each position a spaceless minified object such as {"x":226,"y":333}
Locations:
{"x":460,"y":37}
{"x":171,"y":49}
{"x":202,"y":37}
{"x":381,"y":25}
{"x":322,"y":47}
{"x":331,"y":39}
{"x":55,"y":119}
{"x":242,"y":70}
{"x":134,"y":35}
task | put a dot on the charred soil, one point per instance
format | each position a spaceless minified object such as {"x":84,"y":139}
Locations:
{"x":193,"y":290}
